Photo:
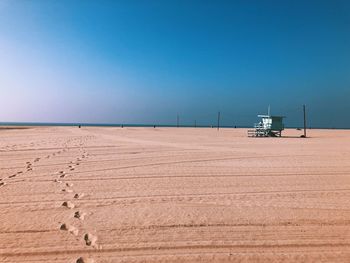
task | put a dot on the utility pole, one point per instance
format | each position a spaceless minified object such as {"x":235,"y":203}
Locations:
{"x":304,"y":110}
{"x":177,"y":120}
{"x":218,"y":120}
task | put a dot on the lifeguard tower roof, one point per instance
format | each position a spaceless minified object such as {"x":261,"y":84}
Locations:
{"x":268,"y":116}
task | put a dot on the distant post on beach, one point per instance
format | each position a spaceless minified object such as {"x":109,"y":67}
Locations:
{"x":304,"y":111}
{"x":218,"y":120}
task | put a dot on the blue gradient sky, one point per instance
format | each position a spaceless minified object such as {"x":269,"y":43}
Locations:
{"x":146,"y":61}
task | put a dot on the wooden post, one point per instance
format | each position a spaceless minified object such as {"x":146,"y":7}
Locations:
{"x":218,"y":120}
{"x":304,"y":110}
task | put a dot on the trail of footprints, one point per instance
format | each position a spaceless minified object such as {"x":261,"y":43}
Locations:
{"x":88,"y":238}
{"x":28,"y":167}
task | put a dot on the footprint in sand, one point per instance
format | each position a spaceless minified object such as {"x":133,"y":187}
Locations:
{"x":14,"y":175}
{"x":36,"y":159}
{"x":71,"y":229}
{"x":85,"y":260}
{"x":62,"y":174}
{"x":78,"y":196}
{"x":90,"y":240}
{"x":67,"y":190}
{"x":69,"y":184}
{"x":68,"y":204}
{"x":79,"y":215}
{"x":19,"y":172}
{"x":2,"y":184}
{"x":57,"y":181}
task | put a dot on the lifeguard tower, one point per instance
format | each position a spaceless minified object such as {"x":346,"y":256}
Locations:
{"x":268,"y":126}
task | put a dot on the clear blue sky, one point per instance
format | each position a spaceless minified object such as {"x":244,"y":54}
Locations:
{"x":145,"y":61}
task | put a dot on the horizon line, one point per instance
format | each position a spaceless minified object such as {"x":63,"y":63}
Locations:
{"x":72,"y":124}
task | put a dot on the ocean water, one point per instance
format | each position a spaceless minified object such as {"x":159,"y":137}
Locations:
{"x":106,"y":125}
{"x":141,"y":125}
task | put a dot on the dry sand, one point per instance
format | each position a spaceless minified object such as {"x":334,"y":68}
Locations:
{"x":173,"y":195}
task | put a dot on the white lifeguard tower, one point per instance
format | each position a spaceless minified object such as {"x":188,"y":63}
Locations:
{"x":268,"y":126}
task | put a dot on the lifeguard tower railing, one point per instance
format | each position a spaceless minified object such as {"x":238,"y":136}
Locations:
{"x":260,"y":130}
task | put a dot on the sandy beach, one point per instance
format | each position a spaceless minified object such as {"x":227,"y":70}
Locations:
{"x":173,"y":195}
